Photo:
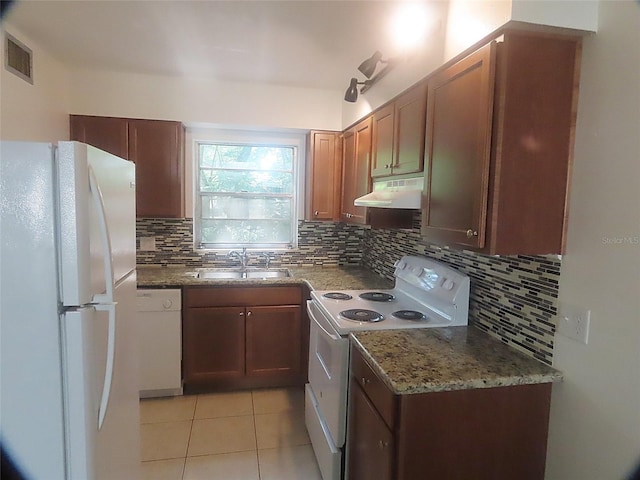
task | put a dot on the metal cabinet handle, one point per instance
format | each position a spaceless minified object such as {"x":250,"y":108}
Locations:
{"x":249,"y":313}
{"x":242,"y":314}
{"x":471,"y":233}
{"x":316,"y":213}
{"x":382,"y":444}
{"x":365,"y":380}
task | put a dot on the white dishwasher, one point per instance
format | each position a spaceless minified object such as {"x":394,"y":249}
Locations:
{"x":160,"y":334}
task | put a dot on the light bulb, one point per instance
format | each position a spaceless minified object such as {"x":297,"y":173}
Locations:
{"x":410,"y":26}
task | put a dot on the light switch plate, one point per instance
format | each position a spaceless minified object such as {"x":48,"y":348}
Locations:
{"x":574,"y":322}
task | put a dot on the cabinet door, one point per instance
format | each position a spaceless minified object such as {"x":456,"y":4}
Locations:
{"x":458,"y":139}
{"x":325,"y":172}
{"x":410,"y":117}
{"x":348,"y":175}
{"x":106,"y":133}
{"x":356,"y":163}
{"x":370,"y":445}
{"x":274,"y":341}
{"x":382,"y":149}
{"x":362,"y":178}
{"x":213,"y":344}
{"x":156,"y":148}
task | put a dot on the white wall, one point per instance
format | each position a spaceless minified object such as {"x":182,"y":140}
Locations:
{"x":595,"y":412}
{"x":577,"y":14}
{"x":37,"y":112}
{"x":463,"y":24}
{"x":201,"y":100}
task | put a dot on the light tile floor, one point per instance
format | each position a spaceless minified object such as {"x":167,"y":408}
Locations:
{"x":252,"y":435}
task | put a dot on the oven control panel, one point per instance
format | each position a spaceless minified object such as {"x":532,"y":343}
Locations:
{"x":436,"y":278}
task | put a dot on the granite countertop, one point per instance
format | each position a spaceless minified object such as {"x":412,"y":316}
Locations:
{"x":453,"y":358}
{"x":317,"y":278}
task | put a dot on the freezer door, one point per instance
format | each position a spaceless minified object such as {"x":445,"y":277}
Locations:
{"x":97,"y":222}
{"x":103,"y":432}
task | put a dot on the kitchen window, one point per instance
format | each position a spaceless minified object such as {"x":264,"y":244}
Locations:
{"x":246,"y":195}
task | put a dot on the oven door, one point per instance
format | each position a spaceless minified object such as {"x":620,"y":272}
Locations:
{"x":328,"y":372}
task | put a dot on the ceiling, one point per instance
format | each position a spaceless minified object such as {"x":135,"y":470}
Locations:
{"x":316,"y":44}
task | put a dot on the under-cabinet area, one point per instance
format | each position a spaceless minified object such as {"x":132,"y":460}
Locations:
{"x":243,"y":337}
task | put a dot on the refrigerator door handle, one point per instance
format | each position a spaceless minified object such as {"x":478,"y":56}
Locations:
{"x":96,"y":194}
{"x":111,"y":353}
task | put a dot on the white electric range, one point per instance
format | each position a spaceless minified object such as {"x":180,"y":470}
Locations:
{"x":427,"y":294}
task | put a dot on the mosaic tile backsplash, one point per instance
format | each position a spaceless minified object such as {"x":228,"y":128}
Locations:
{"x":319,"y":243}
{"x":513,"y":298}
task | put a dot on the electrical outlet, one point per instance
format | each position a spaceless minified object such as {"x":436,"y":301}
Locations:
{"x":574,"y":323}
{"x":148,"y":243}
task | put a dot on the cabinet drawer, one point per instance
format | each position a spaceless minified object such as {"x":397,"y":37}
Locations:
{"x":241,"y":296}
{"x":379,"y":394}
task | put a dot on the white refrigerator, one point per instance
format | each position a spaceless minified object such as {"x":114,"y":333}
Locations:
{"x":68,"y":348}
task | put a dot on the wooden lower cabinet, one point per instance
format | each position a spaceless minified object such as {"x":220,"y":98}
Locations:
{"x":481,"y":434}
{"x":273,"y":341}
{"x":243,"y":337}
{"x":371,"y":443}
{"x":223,"y":327}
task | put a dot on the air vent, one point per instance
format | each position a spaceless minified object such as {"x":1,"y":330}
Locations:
{"x":18,"y":58}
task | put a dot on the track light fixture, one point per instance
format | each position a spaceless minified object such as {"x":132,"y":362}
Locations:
{"x":351,"y":95}
{"x":369,"y":65}
{"x":368,"y":68}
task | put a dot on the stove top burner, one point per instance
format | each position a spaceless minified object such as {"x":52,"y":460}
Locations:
{"x":377,"y":296}
{"x":409,"y":315}
{"x":361,"y":315}
{"x":337,"y":296}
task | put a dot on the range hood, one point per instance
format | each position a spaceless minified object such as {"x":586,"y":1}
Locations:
{"x":388,"y":193}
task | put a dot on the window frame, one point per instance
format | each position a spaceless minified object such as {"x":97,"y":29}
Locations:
{"x":261,"y":139}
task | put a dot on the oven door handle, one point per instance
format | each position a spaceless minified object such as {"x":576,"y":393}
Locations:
{"x":328,"y":334}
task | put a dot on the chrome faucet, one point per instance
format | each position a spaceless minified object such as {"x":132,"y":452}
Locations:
{"x":267,"y":259}
{"x":243,"y":257}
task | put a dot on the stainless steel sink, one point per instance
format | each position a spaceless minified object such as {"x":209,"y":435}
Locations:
{"x":240,"y":274}
{"x":220,"y":274}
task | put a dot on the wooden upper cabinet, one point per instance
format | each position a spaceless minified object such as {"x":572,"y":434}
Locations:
{"x":398,"y":134}
{"x":458,"y":138}
{"x":382,"y":149}
{"x":156,"y":147}
{"x":106,"y":133}
{"x":325,"y":175}
{"x":499,"y":144}
{"x":535,"y":109}
{"x":356,"y":161}
{"x":410,"y":117}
